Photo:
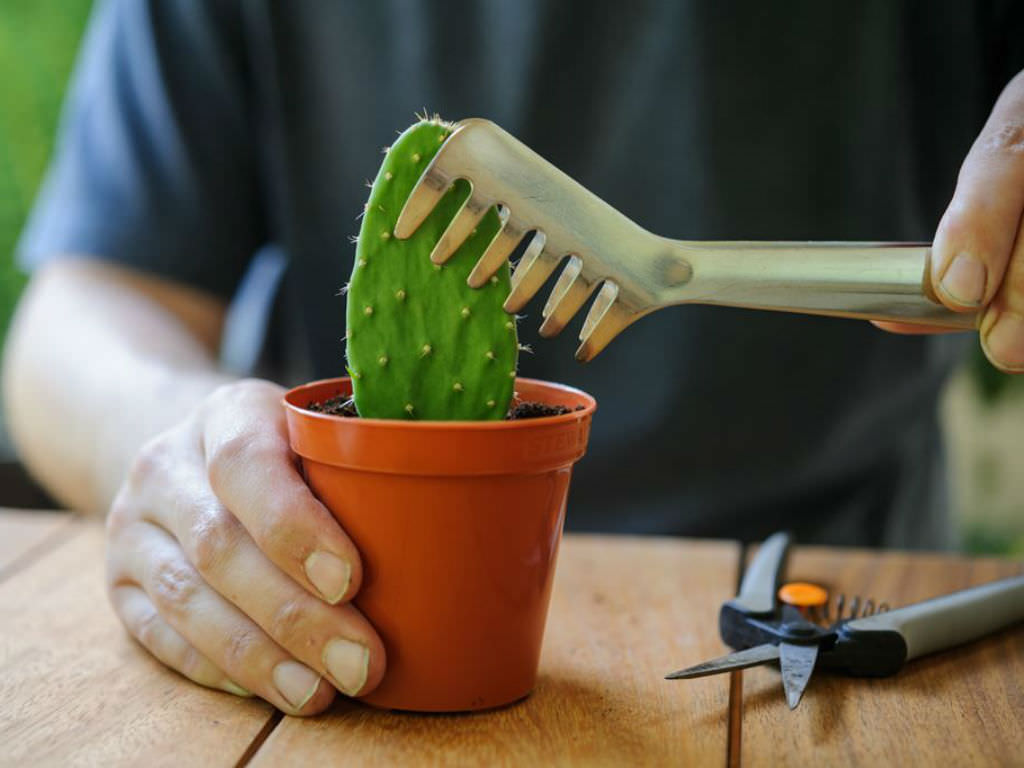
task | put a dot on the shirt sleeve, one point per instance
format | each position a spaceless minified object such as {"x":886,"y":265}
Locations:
{"x":155,"y":165}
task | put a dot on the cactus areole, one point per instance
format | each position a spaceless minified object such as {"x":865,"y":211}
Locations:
{"x":422,"y":344}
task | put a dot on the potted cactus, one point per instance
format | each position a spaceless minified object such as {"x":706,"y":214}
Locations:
{"x":456,"y":509}
{"x":421,"y":343}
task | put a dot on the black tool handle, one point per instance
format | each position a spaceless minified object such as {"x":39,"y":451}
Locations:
{"x":949,"y":620}
{"x":761,"y":579}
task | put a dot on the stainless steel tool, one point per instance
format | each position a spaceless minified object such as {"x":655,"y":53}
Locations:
{"x":638,"y":271}
{"x":875,"y":645}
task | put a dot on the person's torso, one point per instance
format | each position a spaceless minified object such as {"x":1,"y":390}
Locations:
{"x":732,"y":120}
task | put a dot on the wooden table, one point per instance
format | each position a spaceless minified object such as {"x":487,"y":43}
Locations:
{"x":75,"y":689}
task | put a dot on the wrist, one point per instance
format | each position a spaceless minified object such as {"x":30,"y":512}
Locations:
{"x":156,"y":399}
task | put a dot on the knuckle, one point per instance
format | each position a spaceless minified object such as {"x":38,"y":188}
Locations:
{"x":212,"y":536}
{"x":277,"y":534}
{"x":1006,"y":138}
{"x":174,"y":587}
{"x":240,"y":649}
{"x":958,"y":222}
{"x":289,"y":625}
{"x":149,"y":463}
{"x":969,"y":209}
{"x":968,"y":221}
{"x":227,"y":454}
{"x":148,"y":629}
{"x":196,"y":667}
{"x":244,"y":451}
{"x":245,"y":391}
{"x":260,"y":388}
{"x":122,"y":512}
{"x":217,"y":399}
{"x":190,"y":662}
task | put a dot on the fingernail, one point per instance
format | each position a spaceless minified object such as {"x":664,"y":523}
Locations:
{"x":965,"y":280}
{"x":348,"y":663}
{"x":296,"y":682}
{"x":232,"y":687}
{"x":1004,"y":342}
{"x":329,"y":574}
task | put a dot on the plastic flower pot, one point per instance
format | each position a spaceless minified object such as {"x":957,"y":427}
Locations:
{"x":458,"y":525}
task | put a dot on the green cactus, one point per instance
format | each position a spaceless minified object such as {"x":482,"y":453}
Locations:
{"x":422,"y":344}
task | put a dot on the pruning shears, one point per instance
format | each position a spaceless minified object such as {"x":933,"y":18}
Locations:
{"x":761,"y":629}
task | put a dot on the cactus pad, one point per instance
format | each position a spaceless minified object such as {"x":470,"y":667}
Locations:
{"x":422,"y":344}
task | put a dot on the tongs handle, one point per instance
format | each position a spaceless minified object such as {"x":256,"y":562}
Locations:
{"x":872,"y":281}
{"x":951,"y":619}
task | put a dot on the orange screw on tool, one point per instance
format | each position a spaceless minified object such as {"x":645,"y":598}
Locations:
{"x":803,"y":595}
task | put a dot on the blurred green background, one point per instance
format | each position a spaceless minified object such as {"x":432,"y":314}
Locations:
{"x":38,"y":41}
{"x":983,"y":410}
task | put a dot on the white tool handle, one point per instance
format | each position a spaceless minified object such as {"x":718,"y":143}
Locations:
{"x":952,"y":619}
{"x":872,"y":281}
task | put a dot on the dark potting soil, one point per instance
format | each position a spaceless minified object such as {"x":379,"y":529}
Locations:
{"x":344,"y":406}
{"x":533,"y":410}
{"x":335,"y":406}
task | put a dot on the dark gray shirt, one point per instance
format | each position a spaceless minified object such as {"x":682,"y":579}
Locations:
{"x":199,"y":133}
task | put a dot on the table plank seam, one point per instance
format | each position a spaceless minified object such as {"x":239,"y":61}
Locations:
{"x":268,"y":727}
{"x":600,"y":697}
{"x":82,"y":692}
{"x":734,"y":720}
{"x":50,"y":543}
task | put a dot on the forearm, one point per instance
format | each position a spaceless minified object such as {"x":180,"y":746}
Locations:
{"x":97,"y":362}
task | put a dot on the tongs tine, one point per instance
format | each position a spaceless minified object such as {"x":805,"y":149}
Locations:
{"x":536,"y":198}
{"x":637,"y":271}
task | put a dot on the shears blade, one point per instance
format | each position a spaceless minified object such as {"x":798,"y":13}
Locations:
{"x":750,"y":657}
{"x":797,"y":662}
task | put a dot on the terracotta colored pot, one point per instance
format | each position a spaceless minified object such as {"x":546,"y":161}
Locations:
{"x":458,"y":525}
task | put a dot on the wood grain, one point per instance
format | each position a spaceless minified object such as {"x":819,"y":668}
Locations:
{"x":22,"y":533}
{"x":76,"y":690}
{"x":959,"y":707}
{"x":625,"y":611}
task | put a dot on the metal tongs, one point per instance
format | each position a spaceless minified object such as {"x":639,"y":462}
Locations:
{"x":762,"y":631}
{"x":640,"y":272}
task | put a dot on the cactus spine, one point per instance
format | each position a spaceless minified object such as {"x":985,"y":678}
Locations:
{"x":422,"y":344}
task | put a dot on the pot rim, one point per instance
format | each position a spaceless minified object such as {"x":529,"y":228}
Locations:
{"x":590,"y":405}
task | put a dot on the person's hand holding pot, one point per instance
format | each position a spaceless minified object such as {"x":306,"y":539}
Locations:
{"x":222,"y":563}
